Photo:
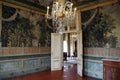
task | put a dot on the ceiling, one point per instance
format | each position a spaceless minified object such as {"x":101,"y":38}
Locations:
{"x":49,"y":2}
{"x":41,"y":5}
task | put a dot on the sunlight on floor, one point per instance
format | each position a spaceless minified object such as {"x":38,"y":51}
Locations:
{"x":72,"y":60}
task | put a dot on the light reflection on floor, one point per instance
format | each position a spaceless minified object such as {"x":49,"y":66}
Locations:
{"x":72,"y":60}
{"x":69,"y":63}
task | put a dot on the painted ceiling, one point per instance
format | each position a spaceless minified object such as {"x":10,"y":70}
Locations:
{"x":49,"y":2}
{"x":41,"y":5}
{"x":41,"y":2}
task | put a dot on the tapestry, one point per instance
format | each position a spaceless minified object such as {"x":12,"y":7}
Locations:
{"x":101,"y":26}
{"x":24,"y":28}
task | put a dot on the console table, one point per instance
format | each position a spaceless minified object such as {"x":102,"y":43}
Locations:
{"x":111,"y":69}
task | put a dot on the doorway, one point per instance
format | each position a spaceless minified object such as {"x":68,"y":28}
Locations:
{"x":57,"y":52}
{"x":70,"y":48}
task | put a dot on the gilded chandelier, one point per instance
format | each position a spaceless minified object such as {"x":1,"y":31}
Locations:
{"x":61,"y":13}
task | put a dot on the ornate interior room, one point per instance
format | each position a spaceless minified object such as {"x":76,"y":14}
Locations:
{"x":59,"y":39}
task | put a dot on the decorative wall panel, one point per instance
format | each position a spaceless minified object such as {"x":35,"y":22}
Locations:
{"x":93,"y":65}
{"x":102,"y":52}
{"x":24,"y":65}
{"x":10,"y":66}
{"x":24,"y":28}
{"x":13,"y":51}
{"x":101,"y":26}
{"x":30,"y":63}
{"x":93,"y":68}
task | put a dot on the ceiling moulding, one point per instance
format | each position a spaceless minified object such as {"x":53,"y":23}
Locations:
{"x":94,"y":4}
{"x":27,"y":4}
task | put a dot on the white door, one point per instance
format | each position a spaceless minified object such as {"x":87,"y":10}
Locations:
{"x":79,"y":54}
{"x":56,"y":51}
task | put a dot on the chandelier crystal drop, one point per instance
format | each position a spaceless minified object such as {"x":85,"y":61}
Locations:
{"x":61,"y":13}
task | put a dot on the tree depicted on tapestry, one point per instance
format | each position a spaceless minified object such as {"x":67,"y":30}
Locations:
{"x":22,"y":28}
{"x":97,"y":29}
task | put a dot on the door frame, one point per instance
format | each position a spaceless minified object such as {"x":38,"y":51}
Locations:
{"x":79,"y":44}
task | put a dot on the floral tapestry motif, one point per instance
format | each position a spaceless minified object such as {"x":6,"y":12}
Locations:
{"x":23,"y":28}
{"x":101,"y":26}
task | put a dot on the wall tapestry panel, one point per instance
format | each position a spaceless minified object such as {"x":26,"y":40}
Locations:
{"x":101,"y":26}
{"x":23,"y":28}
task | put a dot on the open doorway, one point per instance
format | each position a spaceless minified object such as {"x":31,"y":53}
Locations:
{"x":70,"y":48}
{"x":65,"y":50}
{"x":57,"y":52}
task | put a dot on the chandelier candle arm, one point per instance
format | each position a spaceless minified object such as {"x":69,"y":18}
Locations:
{"x":71,"y":7}
{"x":74,"y":11}
{"x":57,"y":5}
{"x":47,"y":11}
